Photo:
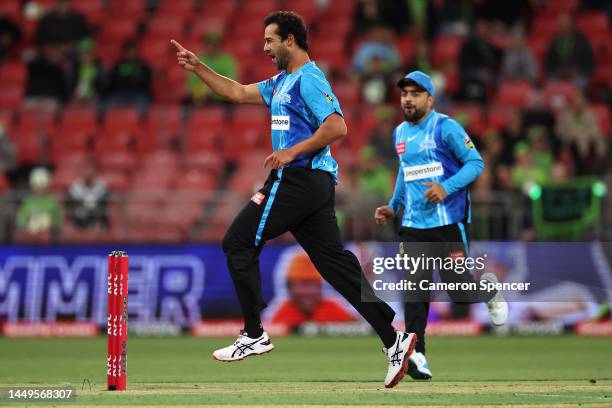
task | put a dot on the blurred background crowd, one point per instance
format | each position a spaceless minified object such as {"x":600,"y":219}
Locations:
{"x":104,"y":138}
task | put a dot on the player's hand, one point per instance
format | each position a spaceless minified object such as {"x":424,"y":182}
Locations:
{"x":435,"y":193}
{"x":382,"y":214}
{"x":186,"y":58}
{"x":279,"y":158}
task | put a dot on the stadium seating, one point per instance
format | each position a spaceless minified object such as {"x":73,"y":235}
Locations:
{"x":558,"y":94}
{"x":10,"y":9}
{"x":11,"y":96}
{"x":117,"y":30}
{"x":93,"y":10}
{"x":446,"y":50}
{"x":176,"y":8}
{"x":307,"y":9}
{"x":514,"y":93}
{"x":593,"y":23}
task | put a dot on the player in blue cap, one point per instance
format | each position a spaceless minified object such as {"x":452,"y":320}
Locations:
{"x":437,"y":162}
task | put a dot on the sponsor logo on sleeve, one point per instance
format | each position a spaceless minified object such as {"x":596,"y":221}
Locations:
{"x":468,"y":142}
{"x":423,"y":171}
{"x":329,"y":98}
{"x":281,"y":122}
{"x":258,"y":198}
{"x":400,"y":148}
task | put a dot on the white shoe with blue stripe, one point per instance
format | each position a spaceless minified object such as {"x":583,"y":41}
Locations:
{"x":418,"y":368}
{"x":244,"y":346}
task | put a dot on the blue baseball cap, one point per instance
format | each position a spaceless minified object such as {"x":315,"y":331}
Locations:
{"x":420,"y":79}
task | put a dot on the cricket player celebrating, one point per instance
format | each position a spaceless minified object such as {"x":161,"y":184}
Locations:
{"x":299,"y":193}
{"x":437,"y":162}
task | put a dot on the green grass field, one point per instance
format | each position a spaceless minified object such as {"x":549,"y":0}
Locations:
{"x":550,"y":371}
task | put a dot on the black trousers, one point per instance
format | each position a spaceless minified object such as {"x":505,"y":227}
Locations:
{"x":301,"y":201}
{"x":448,"y":241}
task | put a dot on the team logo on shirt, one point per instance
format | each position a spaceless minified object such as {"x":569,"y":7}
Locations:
{"x":468,"y":142}
{"x":284,"y":97}
{"x":281,"y":122}
{"x":427,"y":144}
{"x":400,"y":148}
{"x":258,"y":198}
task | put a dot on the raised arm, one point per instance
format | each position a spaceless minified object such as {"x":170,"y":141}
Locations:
{"x":225,"y":87}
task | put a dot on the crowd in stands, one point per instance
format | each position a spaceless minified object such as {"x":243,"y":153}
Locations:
{"x":93,"y":108}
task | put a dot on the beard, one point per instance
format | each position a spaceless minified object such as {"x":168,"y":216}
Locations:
{"x":416,"y":114}
{"x":281,"y":63}
{"x":282,"y":60}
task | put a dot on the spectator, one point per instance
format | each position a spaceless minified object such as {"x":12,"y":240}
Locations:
{"x":421,"y":60}
{"x":130,"y":80}
{"x":8,"y":152}
{"x":62,"y":26}
{"x":505,"y":14}
{"x":10,"y":34}
{"x":89,"y":73}
{"x":457,"y":16}
{"x":478,"y":63}
{"x":381,"y":138}
{"x":535,"y":162}
{"x":524,"y":172}
{"x":577,"y":127}
{"x":370,"y":14}
{"x":511,"y":135}
{"x":39,"y":215}
{"x":87,"y":200}
{"x":374,"y":178}
{"x":375,"y":63}
{"x":220,"y":61}
{"x":380,"y":46}
{"x":493,"y":149}
{"x":424,"y":17}
{"x":518,"y":63}
{"x":539,"y":149}
{"x":46,"y":87}
{"x":367,"y":16}
{"x":569,"y":55}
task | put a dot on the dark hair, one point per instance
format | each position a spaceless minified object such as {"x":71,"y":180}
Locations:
{"x":289,"y":23}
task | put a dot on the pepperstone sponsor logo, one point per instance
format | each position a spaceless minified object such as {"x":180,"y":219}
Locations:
{"x":423,"y":171}
{"x":281,"y":122}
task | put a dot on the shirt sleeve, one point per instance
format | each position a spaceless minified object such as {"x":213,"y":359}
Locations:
{"x":462,"y":147}
{"x":318,"y":97}
{"x":399,"y":192}
{"x":266,"y":89}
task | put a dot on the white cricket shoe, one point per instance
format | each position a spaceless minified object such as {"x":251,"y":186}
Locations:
{"x":244,"y":346}
{"x":497,"y":306}
{"x":398,"y":357}
{"x":418,"y":368}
